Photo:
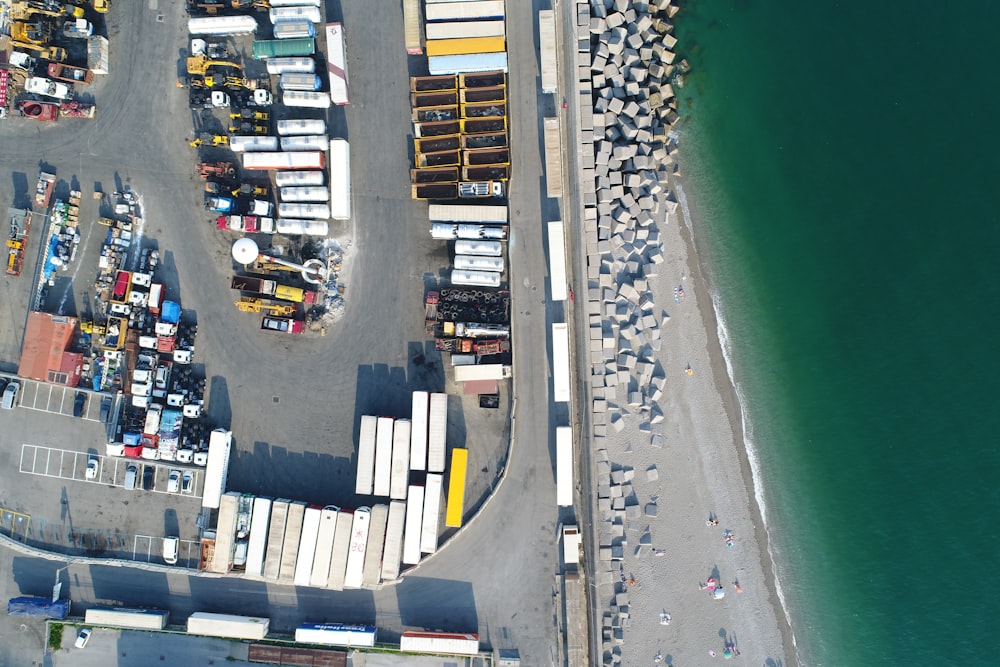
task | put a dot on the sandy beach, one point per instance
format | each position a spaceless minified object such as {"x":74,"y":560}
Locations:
{"x":675,"y":559}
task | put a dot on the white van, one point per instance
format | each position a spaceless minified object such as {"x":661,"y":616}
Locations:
{"x":170,"y":546}
{"x":10,"y":395}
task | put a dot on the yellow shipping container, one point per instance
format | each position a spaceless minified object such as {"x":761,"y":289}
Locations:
{"x":459,"y":47}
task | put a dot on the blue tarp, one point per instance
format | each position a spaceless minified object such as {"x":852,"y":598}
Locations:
{"x":170,"y":312}
{"x":38,"y":607}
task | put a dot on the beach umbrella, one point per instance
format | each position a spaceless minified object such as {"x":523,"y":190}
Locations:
{"x":727,"y":654}
{"x":718,"y":593}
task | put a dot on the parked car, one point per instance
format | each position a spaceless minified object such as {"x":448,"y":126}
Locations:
{"x":170,"y":547}
{"x":174,"y":481}
{"x":105,"y":409}
{"x":92,"y":467}
{"x":82,"y":637}
{"x":131,"y":472}
{"x":47,"y":87}
{"x":10,"y":395}
{"x":79,"y":403}
{"x":147,"y":478}
{"x":187,"y":483}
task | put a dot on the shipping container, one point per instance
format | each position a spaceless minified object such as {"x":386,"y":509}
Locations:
{"x":460,"y":29}
{"x":365,"y":478}
{"x":225,"y":534}
{"x":435,"y":191}
{"x":341,"y":551}
{"x":420,"y":403}
{"x":434,"y":144}
{"x":294,"y":29}
{"x":259,"y":525}
{"x":470,"y":213}
{"x":479,"y":95}
{"x":324,"y":547}
{"x":434,"y":175}
{"x":284,"y":160}
{"x":547,"y":48}
{"x":222,"y":25}
{"x":287,"y":179}
{"x":479,"y":263}
{"x":446,"y":643}
{"x":400,"y":459}
{"x":275,"y":538}
{"x":414,"y":524}
{"x":299,"y":81}
{"x":340,"y":179}
{"x":303,"y":126}
{"x":392,"y":552}
{"x":291,"y":65}
{"x":217,"y":469}
{"x":295,"y":3}
{"x":476,"y":62}
{"x":486,"y":172}
{"x":306,"y":99}
{"x":465,"y":45}
{"x":484,"y":248}
{"x":456,"y":488}
{"x":411,"y":27}
{"x":305,"y":211}
{"x":560,"y":363}
{"x":336,"y":61}
{"x":383,"y":456}
{"x":564,"y":466}
{"x":558,"y":285}
{"x":437,"y":128}
{"x":553,"y":158}
{"x":227,"y":626}
{"x":475,"y":278}
{"x":464,"y":11}
{"x":336,"y":634}
{"x":371,"y":573}
{"x":307,"y":546}
{"x":359,"y":544}
{"x":308,"y":142}
{"x":307,"y":194}
{"x":437,"y":432}
{"x":431,"y":521}
{"x":311,"y":14}
{"x":299,"y":227}
{"x":122,"y":617}
{"x":290,"y":548}
{"x":283,"y":48}
{"x":239,"y":144}
{"x":439,"y":159}
{"x":434,"y":99}
{"x":480,"y":156}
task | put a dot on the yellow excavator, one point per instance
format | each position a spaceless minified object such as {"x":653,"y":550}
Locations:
{"x":56,"y":54}
{"x":201,"y":64}
{"x":249,"y":304}
{"x":214,"y":140}
{"x":21,"y":11}
{"x":250,"y":189}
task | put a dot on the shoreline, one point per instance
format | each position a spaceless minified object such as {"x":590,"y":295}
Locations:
{"x":721,"y":363}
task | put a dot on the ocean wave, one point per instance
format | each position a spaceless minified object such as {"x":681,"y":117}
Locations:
{"x":725,"y":343}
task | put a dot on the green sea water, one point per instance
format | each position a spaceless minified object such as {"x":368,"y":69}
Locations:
{"x":843,"y":157}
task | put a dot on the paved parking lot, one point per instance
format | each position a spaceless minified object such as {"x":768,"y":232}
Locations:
{"x":149,"y":549}
{"x":69,"y":464}
{"x":58,"y":399}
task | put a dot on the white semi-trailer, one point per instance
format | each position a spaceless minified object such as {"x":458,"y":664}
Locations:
{"x":291,"y":179}
{"x":557,"y":261}
{"x":290,"y":548}
{"x":340,"y":179}
{"x":475,"y":278}
{"x":560,"y":362}
{"x":228,"y":626}
{"x":122,"y":617}
{"x":564,"y":466}
{"x":336,"y":634}
{"x":399,"y":477}
{"x":275,"y":538}
{"x":336,"y":61}
{"x":353,"y":575}
{"x":217,"y":469}
{"x":371,"y":573}
{"x":260,"y":522}
{"x":365,"y":479}
{"x":341,"y":550}
{"x":383,"y":456}
{"x":471,"y":213}
{"x":547,"y":47}
{"x":437,"y":432}
{"x":392,"y":552}
{"x":307,"y":546}
{"x":301,"y":126}
{"x":432,"y":513}
{"x":324,"y":547}
{"x":414,"y":516}
{"x":418,"y":430}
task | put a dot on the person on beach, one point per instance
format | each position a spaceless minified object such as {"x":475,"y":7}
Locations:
{"x":736,"y":584}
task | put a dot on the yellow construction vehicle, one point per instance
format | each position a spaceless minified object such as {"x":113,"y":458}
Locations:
{"x":248,"y":128}
{"x":250,"y":114}
{"x":250,"y":189}
{"x":30,"y":32}
{"x":201,"y":64}
{"x":20,"y":11}
{"x":263,"y":266}
{"x":226,"y":81}
{"x":249,"y":304}
{"x":56,"y":54}
{"x":214,"y":140}
{"x":100,"y":6}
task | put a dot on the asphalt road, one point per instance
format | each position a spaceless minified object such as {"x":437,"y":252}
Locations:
{"x":294,"y":406}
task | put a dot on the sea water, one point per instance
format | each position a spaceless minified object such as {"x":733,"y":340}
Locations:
{"x":841,"y":160}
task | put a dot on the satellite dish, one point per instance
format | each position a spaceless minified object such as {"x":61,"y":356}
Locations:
{"x":245,"y":251}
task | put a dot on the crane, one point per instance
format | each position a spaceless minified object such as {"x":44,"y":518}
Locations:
{"x":249,"y":304}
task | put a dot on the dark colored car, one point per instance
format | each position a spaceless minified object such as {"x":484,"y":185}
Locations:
{"x":79,"y":403}
{"x":105,"y":409}
{"x":147,"y":478}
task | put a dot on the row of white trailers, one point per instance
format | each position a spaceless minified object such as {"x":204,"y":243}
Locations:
{"x":232,"y":626}
{"x":458,"y":20}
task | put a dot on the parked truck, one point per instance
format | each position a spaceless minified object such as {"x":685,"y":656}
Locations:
{"x":336,"y":59}
{"x":70,"y":74}
{"x":251,"y":224}
{"x":217,"y":468}
{"x":282,"y":325}
{"x":271,"y":288}
{"x":228,"y":626}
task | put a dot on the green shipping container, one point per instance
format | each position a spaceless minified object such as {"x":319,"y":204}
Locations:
{"x":275,"y":48}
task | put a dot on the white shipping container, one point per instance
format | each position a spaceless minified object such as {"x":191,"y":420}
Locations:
{"x":392,"y":552}
{"x":372,"y":571}
{"x":483,"y":248}
{"x":560,"y":363}
{"x":293,"y":29}
{"x":298,"y":227}
{"x":310,"y":14}
{"x":465,"y":29}
{"x":414,"y":517}
{"x":240,"y":144}
{"x":222,"y":25}
{"x":432,"y":513}
{"x":400,"y":459}
{"x":306,"y":193}
{"x":121,"y":617}
{"x":383,"y":456}
{"x":275,"y":539}
{"x":307,"y":546}
{"x":359,"y":544}
{"x":476,"y":278}
{"x":547,"y":48}
{"x":228,"y":626}
{"x":341,"y":550}
{"x":336,"y":59}
{"x":474,"y":62}
{"x":557,"y":261}
{"x":324,"y":547}
{"x":564,"y":466}
{"x":299,"y":81}
{"x":365,"y":479}
{"x":287,"y":179}
{"x":305,"y":98}
{"x":295,"y":3}
{"x":479,"y":263}
{"x":418,"y":430}
{"x":311,"y":142}
{"x":307,"y":211}
{"x":290,"y":548}
{"x":464,"y":11}
{"x":340,"y":179}
{"x":273,"y":161}
{"x":437,"y":432}
{"x":449,"y":643}
{"x":302,"y":126}
{"x":289,"y":65}
{"x":460,"y":213}
{"x":260,"y":522}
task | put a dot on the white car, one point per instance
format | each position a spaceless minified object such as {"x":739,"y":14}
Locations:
{"x":47,"y":87}
{"x":92,"y":467}
{"x":83,"y":637}
{"x":174,"y":481}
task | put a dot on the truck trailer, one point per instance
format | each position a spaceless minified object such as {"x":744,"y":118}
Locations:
{"x":558,"y":285}
{"x":274,"y":161}
{"x":217,"y":469}
{"x":308,"y":193}
{"x":300,"y":227}
{"x":341,"y":551}
{"x":336,"y":60}
{"x":307,"y":546}
{"x":446,"y":643}
{"x":297,"y":65}
{"x":483,"y":248}
{"x":470,"y":213}
{"x":431,"y":520}
{"x":476,"y":62}
{"x":275,"y":538}
{"x":353,"y":574}
{"x":437,"y":432}
{"x":288,"y":179}
{"x":475,"y":278}
{"x":547,"y":46}
{"x":307,"y":142}
{"x":283,"y":48}
{"x":464,"y":11}
{"x":290,"y":547}
{"x":324,"y":546}
{"x":301,"y":126}
{"x":371,"y":573}
{"x":259,"y":524}
{"x":392,"y":551}
{"x":564,"y":466}
{"x":271,"y":288}
{"x":225,"y":534}
{"x":383,"y":456}
{"x":305,"y":98}
{"x":365,"y":479}
{"x":560,"y":363}
{"x":294,"y":29}
{"x":340,"y":179}
{"x":411,"y":27}
{"x":400,"y":459}
{"x":479,"y":263}
{"x":123,"y":617}
{"x":222,"y":25}
{"x":463,"y":29}
{"x":336,"y":634}
{"x":414,"y":518}
{"x":227,"y":626}
{"x":418,"y":430}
